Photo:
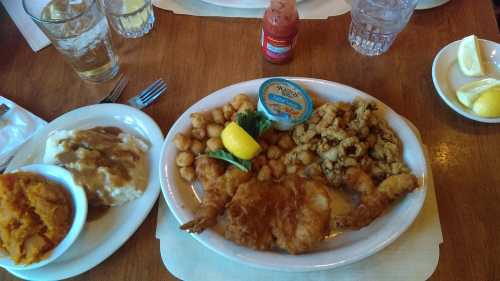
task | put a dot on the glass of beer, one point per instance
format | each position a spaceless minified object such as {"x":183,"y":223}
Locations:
{"x":130,"y":18}
{"x":79,"y":30}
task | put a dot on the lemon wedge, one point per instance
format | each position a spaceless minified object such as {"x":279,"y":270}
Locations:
{"x":468,"y":93}
{"x":237,"y":141}
{"x":469,"y":56}
{"x":488,"y":103}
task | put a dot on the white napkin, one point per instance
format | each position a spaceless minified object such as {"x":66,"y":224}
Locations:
{"x":31,"y":32}
{"x":308,"y":9}
{"x":16,"y":127}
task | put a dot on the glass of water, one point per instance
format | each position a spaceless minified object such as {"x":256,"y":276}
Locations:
{"x":130,"y":18}
{"x":79,"y":30}
{"x":376,"y":23}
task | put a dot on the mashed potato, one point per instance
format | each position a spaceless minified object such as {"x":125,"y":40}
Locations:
{"x":111,"y":165}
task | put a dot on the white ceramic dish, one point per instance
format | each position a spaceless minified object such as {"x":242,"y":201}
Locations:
{"x":429,"y":4}
{"x":241,"y":4}
{"x":79,"y":200}
{"x":344,"y":249}
{"x":448,"y":77}
{"x":100,"y":238}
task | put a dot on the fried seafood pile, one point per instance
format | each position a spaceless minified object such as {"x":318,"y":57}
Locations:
{"x":347,"y":135}
{"x":287,"y":201}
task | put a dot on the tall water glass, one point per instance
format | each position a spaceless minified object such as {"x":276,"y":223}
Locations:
{"x":130,"y":18}
{"x":79,"y":30}
{"x":376,"y":23}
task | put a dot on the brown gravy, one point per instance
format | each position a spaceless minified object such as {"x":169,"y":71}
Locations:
{"x":94,"y":148}
{"x":96,"y":212}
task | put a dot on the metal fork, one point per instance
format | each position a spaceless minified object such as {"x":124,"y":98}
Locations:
{"x":3,"y":109}
{"x":148,"y":95}
{"x":117,"y":90}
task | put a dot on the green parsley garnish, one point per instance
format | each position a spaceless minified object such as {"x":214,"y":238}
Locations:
{"x":244,"y":165}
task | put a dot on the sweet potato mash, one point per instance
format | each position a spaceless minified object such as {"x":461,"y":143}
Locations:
{"x":36,"y":214}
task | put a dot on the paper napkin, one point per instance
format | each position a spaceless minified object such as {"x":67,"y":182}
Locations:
{"x":16,"y":127}
{"x":31,"y":32}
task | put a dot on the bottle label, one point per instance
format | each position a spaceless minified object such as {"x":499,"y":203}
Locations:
{"x":277,"y":49}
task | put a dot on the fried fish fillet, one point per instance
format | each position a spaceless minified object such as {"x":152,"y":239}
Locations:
{"x":292,"y":215}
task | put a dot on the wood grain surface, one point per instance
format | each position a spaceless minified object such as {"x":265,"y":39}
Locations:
{"x":197,"y":56}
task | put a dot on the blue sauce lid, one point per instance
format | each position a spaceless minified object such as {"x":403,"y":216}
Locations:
{"x":284,"y":102}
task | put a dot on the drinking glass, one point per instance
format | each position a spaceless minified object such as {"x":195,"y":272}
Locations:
{"x":130,"y":18}
{"x":376,"y":23}
{"x":80,"y":32}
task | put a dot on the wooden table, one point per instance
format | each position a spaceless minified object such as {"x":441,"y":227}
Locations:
{"x":197,"y":56}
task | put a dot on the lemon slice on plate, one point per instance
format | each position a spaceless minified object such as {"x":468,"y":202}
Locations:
{"x":469,"y":57}
{"x":237,"y":141}
{"x":468,"y":93}
{"x":488,"y":103}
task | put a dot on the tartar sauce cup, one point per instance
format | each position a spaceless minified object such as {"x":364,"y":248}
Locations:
{"x":284,"y":102}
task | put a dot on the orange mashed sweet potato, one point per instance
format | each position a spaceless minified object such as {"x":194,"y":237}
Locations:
{"x":36,"y":214}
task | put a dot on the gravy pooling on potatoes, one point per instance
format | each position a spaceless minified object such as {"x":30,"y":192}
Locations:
{"x":105,"y":161}
{"x":104,"y":153}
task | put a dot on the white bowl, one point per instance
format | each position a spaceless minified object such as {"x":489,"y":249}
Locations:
{"x":77,"y":193}
{"x":448,"y":77}
{"x":347,"y":247}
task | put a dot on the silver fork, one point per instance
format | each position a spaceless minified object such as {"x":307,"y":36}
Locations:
{"x":117,"y":90}
{"x":3,"y":109}
{"x":148,"y":95}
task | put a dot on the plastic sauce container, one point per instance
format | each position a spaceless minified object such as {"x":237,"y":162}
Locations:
{"x":284,"y":102}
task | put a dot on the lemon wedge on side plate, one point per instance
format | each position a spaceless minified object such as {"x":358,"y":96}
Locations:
{"x":488,"y":103}
{"x":468,"y":93}
{"x":469,"y":57}
{"x":237,"y":141}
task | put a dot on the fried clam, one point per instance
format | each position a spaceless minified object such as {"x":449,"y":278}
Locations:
{"x":348,"y":135}
{"x":292,"y":215}
{"x":374,"y":200}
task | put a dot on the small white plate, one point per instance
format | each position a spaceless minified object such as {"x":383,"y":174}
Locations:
{"x":346,"y":248}
{"x":79,"y":199}
{"x":448,"y":77}
{"x":100,"y":238}
{"x":241,"y":4}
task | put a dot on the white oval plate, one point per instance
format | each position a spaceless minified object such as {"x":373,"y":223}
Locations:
{"x":448,"y":77}
{"x":429,"y":4}
{"x":346,"y":248}
{"x":100,"y":238}
{"x":77,"y":193}
{"x":242,"y":4}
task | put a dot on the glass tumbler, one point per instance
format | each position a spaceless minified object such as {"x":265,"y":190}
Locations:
{"x":130,"y":18}
{"x":79,"y":30}
{"x":376,"y":23}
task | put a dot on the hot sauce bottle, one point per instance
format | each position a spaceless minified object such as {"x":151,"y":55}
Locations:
{"x":279,"y":31}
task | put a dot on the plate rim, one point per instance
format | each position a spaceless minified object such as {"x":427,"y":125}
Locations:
{"x":165,"y":183}
{"x":222,"y":3}
{"x":105,"y":250}
{"x":437,"y":83}
{"x":427,"y":6}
